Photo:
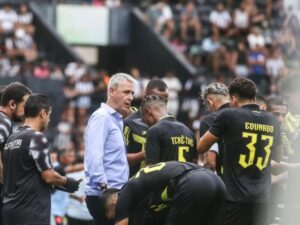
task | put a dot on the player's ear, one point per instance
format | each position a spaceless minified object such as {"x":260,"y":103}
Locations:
{"x":43,"y":113}
{"x":210,"y":102}
{"x":12,"y":105}
{"x":233,"y":101}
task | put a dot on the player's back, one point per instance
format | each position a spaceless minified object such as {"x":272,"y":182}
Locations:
{"x":172,"y":140}
{"x":249,"y":138}
{"x":23,"y":178}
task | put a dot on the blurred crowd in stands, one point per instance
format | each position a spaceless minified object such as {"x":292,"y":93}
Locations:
{"x":256,"y":39}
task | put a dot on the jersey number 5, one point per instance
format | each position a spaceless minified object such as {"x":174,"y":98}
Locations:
{"x":181,"y":150}
{"x":261,"y":162}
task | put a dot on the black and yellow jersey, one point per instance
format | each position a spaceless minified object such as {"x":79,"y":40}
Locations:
{"x":250,"y":138}
{"x":170,"y":140}
{"x":135,"y":131}
{"x":205,"y":124}
{"x":151,"y":179}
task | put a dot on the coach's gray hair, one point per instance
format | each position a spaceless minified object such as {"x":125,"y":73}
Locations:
{"x":215,"y":88}
{"x":117,"y":79}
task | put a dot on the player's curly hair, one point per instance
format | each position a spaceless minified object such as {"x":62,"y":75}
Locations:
{"x":215,"y":88}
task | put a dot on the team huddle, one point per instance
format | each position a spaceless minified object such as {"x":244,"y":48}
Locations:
{"x":147,"y":168}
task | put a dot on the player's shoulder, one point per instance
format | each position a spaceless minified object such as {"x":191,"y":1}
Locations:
{"x":209,"y":118}
{"x":229,"y":113}
{"x":4,"y":120}
{"x":132,"y":117}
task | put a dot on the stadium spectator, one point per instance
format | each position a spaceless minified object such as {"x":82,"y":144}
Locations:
{"x":197,"y":195}
{"x":160,"y":16}
{"x":8,"y":19}
{"x":238,"y":62}
{"x":220,"y":18}
{"x":216,"y":98}
{"x":42,"y":71}
{"x":174,"y":85}
{"x":257,"y":69}
{"x":25,"y":19}
{"x":275,"y":67}
{"x":21,"y":45}
{"x":105,"y":154}
{"x":113,"y":3}
{"x":287,"y":42}
{"x":241,"y":20}
{"x":56,"y":73}
{"x":139,"y":86}
{"x":27,"y":161}
{"x":84,"y":88}
{"x":256,"y":39}
{"x":212,"y":43}
{"x":64,"y":130}
{"x":191,"y":103}
{"x":4,"y":66}
{"x":189,"y":21}
{"x":247,"y":168}
{"x":75,"y":70}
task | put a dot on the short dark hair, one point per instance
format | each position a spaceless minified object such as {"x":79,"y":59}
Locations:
{"x":156,"y":84}
{"x":274,"y":101}
{"x":14,"y":91}
{"x":243,"y":88}
{"x":35,"y":104}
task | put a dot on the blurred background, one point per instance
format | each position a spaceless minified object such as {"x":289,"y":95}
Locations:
{"x":69,"y":49}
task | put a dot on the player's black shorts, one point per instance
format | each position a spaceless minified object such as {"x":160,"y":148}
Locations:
{"x":245,"y":213}
{"x":198,"y":199}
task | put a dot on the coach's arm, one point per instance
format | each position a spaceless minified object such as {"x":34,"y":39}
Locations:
{"x":206,"y":142}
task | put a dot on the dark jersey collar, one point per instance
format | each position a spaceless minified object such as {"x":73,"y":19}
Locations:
{"x":226,"y":105}
{"x":251,"y":106}
{"x":169,"y":117}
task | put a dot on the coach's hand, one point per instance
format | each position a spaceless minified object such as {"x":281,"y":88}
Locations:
{"x":72,"y":185}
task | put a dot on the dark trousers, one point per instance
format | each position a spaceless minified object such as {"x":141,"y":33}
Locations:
{"x":93,"y":204}
{"x":198,"y":199}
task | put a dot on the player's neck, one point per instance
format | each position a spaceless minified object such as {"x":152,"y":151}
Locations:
{"x":220,"y":104}
{"x":32,"y":123}
{"x":245,"y":102}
